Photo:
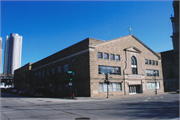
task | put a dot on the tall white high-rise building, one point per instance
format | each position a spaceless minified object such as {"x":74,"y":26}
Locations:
{"x":12,"y":53}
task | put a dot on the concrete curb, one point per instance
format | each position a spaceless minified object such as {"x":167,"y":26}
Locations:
{"x":116,"y":97}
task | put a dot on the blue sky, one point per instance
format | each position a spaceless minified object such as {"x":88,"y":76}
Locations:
{"x":50,"y":26}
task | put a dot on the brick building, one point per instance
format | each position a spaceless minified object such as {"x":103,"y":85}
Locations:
{"x":22,"y":77}
{"x":132,"y":67}
{"x":170,"y":59}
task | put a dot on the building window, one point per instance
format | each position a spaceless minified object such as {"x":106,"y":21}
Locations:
{"x":153,"y":62}
{"x":39,"y":74}
{"x":151,"y":85}
{"x":43,"y":73}
{"x":112,"y":57}
{"x":47,"y":72}
{"x":134,"y":65}
{"x":35,"y":74}
{"x":111,"y":86}
{"x":150,"y":62}
{"x":73,"y":60}
{"x":66,"y":87}
{"x":106,"y":56}
{"x":59,"y":69}
{"x":100,"y":55}
{"x":65,"y":67}
{"x":53,"y":71}
{"x":156,"y":62}
{"x":152,"y":73}
{"x":110,"y":70}
{"x":146,"y":61}
{"x":118,"y":57}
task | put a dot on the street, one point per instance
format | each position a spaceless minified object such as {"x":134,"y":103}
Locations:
{"x":165,"y":106}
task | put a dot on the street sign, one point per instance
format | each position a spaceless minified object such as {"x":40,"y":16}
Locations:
{"x":69,"y":71}
{"x":70,"y":83}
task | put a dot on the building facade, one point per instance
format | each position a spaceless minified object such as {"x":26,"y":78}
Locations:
{"x":132,"y":68}
{"x":12,"y":53}
{"x":23,"y":76}
{"x":170,"y":59}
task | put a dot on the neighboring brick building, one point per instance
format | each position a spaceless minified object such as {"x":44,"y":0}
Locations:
{"x":22,"y":77}
{"x":170,"y":71}
{"x":170,"y":59}
{"x":130,"y":64}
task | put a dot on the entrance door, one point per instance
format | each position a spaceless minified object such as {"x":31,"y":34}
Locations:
{"x":134,"y":89}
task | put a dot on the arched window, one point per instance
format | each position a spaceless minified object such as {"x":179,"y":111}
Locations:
{"x":134,"y":65}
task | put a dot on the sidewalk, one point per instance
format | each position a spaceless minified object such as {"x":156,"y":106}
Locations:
{"x":116,"y":97}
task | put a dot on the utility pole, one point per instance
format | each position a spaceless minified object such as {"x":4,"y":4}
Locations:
{"x":155,"y":82}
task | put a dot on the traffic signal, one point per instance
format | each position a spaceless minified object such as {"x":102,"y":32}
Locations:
{"x":106,"y":76}
{"x":70,"y":76}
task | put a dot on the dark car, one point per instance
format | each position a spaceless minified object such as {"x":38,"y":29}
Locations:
{"x":26,"y":93}
{"x":31,"y":93}
{"x":23,"y":92}
{"x":20,"y":91}
{"x":15,"y":90}
{"x":9,"y":90}
{"x":43,"y":92}
{"x":3,"y":89}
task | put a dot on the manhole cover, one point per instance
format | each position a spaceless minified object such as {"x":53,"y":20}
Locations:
{"x":48,"y":101}
{"x":82,"y":118}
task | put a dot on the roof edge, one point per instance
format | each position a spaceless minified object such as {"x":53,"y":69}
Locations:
{"x":146,"y":46}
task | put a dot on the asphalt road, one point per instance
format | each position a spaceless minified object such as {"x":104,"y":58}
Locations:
{"x":140,"y":107}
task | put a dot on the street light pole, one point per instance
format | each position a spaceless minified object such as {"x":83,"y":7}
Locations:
{"x":107,"y":90}
{"x":155,"y":82}
{"x":107,"y":82}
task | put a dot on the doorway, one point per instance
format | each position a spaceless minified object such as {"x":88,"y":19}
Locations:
{"x":134,"y":89}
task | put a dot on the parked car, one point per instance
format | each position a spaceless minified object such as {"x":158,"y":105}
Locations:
{"x":20,"y":91}
{"x":26,"y":93}
{"x":31,"y":93}
{"x":43,"y":92}
{"x":14,"y":90}
{"x":3,"y":89}
{"x":9,"y":90}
